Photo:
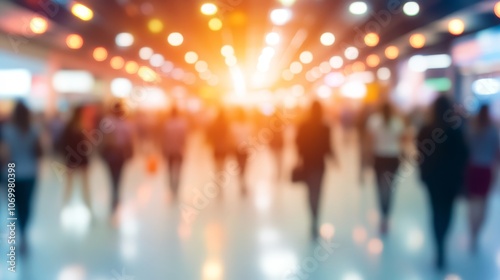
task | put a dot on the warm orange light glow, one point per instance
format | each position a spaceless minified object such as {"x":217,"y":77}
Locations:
{"x":175,"y":39}
{"x":82,"y":12}
{"x":392,"y":52}
{"x":117,"y":62}
{"x":456,"y":26}
{"x":100,"y":54}
{"x":155,"y":25}
{"x":496,"y":9}
{"x":371,"y":39}
{"x":38,"y":25}
{"x":74,"y":41}
{"x":147,"y":74}
{"x":215,"y":24}
{"x":358,"y":66}
{"x":373,"y":60}
{"x":417,"y":41}
{"x":209,"y":9}
{"x":131,"y":67}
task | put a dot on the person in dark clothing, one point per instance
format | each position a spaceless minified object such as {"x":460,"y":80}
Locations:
{"x":21,"y":150}
{"x":117,"y":149}
{"x":76,"y":149}
{"x":218,"y":136}
{"x":313,"y":144}
{"x":443,"y":159}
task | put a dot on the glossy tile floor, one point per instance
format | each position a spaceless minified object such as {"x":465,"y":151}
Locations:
{"x":262,"y":236}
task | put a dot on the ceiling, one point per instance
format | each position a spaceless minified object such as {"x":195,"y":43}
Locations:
{"x":245,"y":24}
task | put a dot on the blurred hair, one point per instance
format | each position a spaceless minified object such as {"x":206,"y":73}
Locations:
{"x":118,"y":109}
{"x":21,"y":116}
{"x":441,"y":105}
{"x":316,"y":112}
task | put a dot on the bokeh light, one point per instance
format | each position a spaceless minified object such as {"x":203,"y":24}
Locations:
{"x":281,"y":16}
{"x":373,"y":60}
{"x":327,"y":39}
{"x":38,"y":25}
{"x":392,"y":52}
{"x":417,"y":41}
{"x":371,"y":39}
{"x":496,"y":9}
{"x":215,"y":24}
{"x":100,"y":54}
{"x":209,"y":9}
{"x":384,"y":74}
{"x":358,"y":66}
{"x":358,"y":8}
{"x":117,"y":62}
{"x":74,"y":41}
{"x":351,"y":53}
{"x":145,"y":53}
{"x":131,"y":67}
{"x":306,"y":57}
{"x":201,"y":66}
{"x":456,"y":26}
{"x":296,"y":67}
{"x":156,"y":60}
{"x":411,"y":8}
{"x":375,"y":246}
{"x":336,"y":62}
{"x":82,"y":12}
{"x":175,"y":39}
{"x":272,"y":38}
{"x":227,"y":50}
{"x":155,"y":25}
{"x":124,"y":39}
{"x":191,"y":57}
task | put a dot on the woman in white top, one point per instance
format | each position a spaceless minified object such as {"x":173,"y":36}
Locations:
{"x":385,"y":135}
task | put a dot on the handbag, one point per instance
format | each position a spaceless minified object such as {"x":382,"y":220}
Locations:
{"x":298,"y":174}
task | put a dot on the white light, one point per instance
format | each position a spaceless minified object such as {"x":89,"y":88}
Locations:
{"x":167,"y":67}
{"x":352,"y":276}
{"x":272,"y":38}
{"x":336,"y":62}
{"x":281,"y":16}
{"x":324,"y":92}
{"x":327,"y":39}
{"x":487,"y":86}
{"x":334,"y":79}
{"x":227,"y":50}
{"x":287,"y":75}
{"x":155,"y":98}
{"x":384,"y":74}
{"x":296,"y":67}
{"x":15,"y":82}
{"x":325,"y":67}
{"x":175,"y":39}
{"x":201,"y":66}
{"x":121,"y":87}
{"x":358,"y":8}
{"x":191,"y":57}
{"x":124,"y":40}
{"x":415,"y":239}
{"x":145,"y":53}
{"x":306,"y":57}
{"x":366,"y":77}
{"x":417,"y":63}
{"x":268,"y":52}
{"x":73,"y":82}
{"x":238,"y":81}
{"x":351,"y":53}
{"x":438,"y":61}
{"x":177,"y":74}
{"x":411,"y":8}
{"x":355,"y":90}
{"x":287,"y":3}
{"x":231,"y":61}
{"x":156,"y":60}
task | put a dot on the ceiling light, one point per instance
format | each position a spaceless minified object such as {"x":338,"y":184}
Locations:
{"x":145,"y":53}
{"x":417,"y":41}
{"x":156,"y":60}
{"x":38,"y":25}
{"x":456,"y":26}
{"x":336,"y":62}
{"x":306,"y":57}
{"x":191,"y":57}
{"x":373,"y":60}
{"x":392,"y":52}
{"x":82,"y":12}
{"x":351,"y":53}
{"x":411,"y":8}
{"x":175,"y":39}
{"x":358,"y":8}
{"x":117,"y":62}
{"x":371,"y":39}
{"x":209,"y":9}
{"x":124,"y":40}
{"x":327,"y":39}
{"x":155,"y":25}
{"x":272,"y":38}
{"x":227,"y":50}
{"x":74,"y":41}
{"x":100,"y":54}
{"x":215,"y":24}
{"x":281,"y":16}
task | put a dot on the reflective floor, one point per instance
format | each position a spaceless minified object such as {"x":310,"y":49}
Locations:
{"x":262,"y":236}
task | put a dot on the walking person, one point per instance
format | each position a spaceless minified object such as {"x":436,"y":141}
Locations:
{"x":444,"y":151}
{"x":76,"y":151}
{"x":116,"y":149}
{"x":218,"y":137}
{"x":313,"y":144}
{"x":174,"y":137}
{"x":484,"y":144}
{"x":384,"y":141}
{"x":241,"y":131}
{"x":21,"y":146}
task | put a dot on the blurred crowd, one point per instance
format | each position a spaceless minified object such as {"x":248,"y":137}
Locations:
{"x":455,"y":153}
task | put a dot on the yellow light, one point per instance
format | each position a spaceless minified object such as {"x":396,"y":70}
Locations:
{"x":191,"y":57}
{"x":358,"y":66}
{"x":155,"y":25}
{"x":209,"y":9}
{"x":116,"y":62}
{"x":392,"y":52}
{"x":456,"y":26}
{"x":496,"y":9}
{"x":147,"y":74}
{"x":237,"y":18}
{"x":82,"y":12}
{"x":175,"y":39}
{"x":227,"y":50}
{"x":371,"y":39}
{"x":74,"y":41}
{"x":373,"y":60}
{"x":215,"y":24}
{"x":100,"y":54}
{"x":39,"y":25}
{"x":131,"y":67}
{"x":417,"y":41}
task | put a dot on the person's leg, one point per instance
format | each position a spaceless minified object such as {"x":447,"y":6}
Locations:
{"x":442,"y":208}
{"x":314,"y":179}
{"x":115,"y":168}
{"x":68,"y":187}
{"x":477,"y":207}
{"x":241,"y":158}
{"x":86,"y":187}
{"x":24,"y":194}
{"x":383,"y":192}
{"x":174,"y":162}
